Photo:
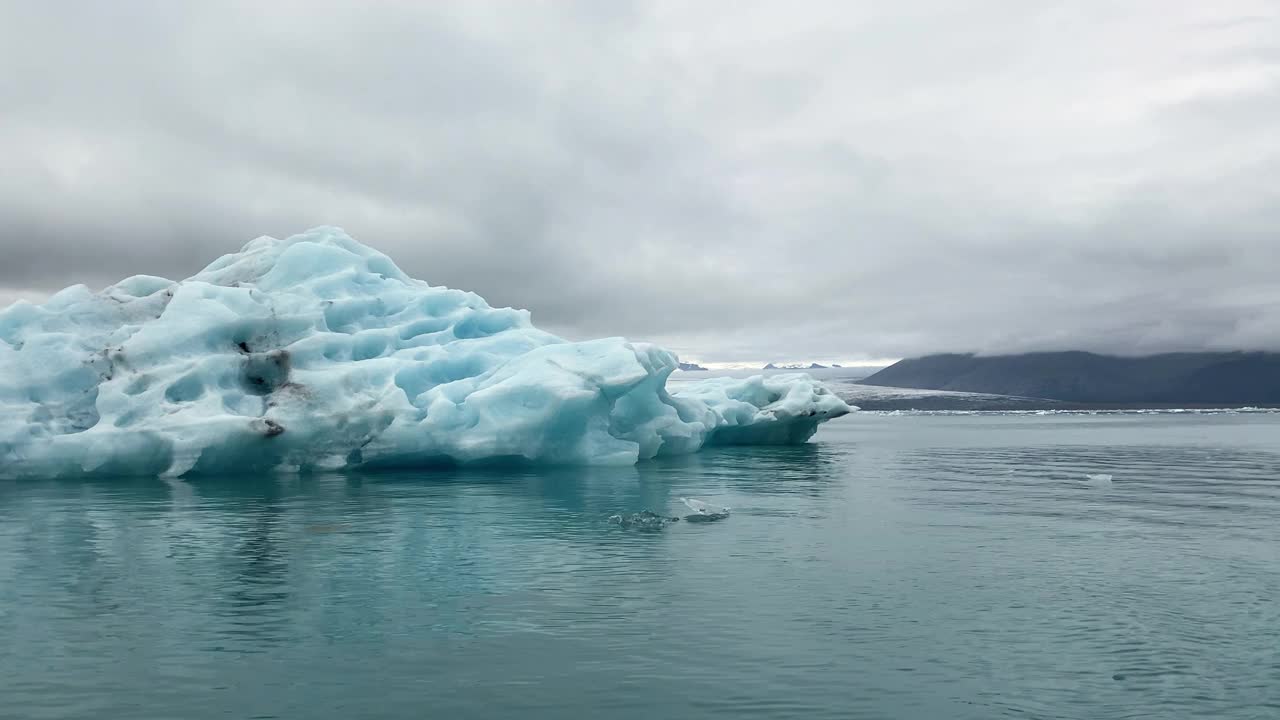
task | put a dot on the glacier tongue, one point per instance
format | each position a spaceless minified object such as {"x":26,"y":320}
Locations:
{"x":316,"y":352}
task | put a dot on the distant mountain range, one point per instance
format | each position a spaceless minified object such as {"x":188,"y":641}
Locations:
{"x":689,"y":366}
{"x":1189,"y":379}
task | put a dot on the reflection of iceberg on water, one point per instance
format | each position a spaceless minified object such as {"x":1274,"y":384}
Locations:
{"x":318,"y":353}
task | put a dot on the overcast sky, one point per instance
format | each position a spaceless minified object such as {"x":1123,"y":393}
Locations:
{"x":741,"y":182}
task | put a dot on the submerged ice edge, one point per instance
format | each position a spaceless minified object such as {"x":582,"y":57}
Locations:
{"x":317,"y":353}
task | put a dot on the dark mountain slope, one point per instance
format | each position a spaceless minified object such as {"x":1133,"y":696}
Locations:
{"x":1235,"y":378}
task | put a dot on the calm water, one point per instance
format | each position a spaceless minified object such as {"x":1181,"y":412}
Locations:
{"x":920,"y":566}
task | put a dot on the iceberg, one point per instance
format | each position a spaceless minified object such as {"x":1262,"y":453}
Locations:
{"x":317,"y":353}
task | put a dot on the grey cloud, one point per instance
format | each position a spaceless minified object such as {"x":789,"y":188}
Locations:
{"x":742,"y":182}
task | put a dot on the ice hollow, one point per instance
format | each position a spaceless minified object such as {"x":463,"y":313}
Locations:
{"x":317,"y":353}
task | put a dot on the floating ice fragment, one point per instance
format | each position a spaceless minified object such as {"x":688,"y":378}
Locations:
{"x":643,"y":520}
{"x":1098,"y":478}
{"x":704,"y":512}
{"x":317,"y":353}
{"x":708,"y":517}
{"x":701,"y":507}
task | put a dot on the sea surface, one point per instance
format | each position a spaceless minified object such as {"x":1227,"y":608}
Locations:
{"x":915,"y":565}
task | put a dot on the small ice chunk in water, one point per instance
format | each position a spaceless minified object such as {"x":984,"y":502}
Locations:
{"x":704,"y":512}
{"x":643,"y":520}
{"x":1098,"y":478}
{"x":703,"y":508}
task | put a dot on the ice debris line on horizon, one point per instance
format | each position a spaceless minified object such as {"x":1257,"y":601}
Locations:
{"x":318,"y":353}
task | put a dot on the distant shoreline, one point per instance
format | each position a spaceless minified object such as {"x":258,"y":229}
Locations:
{"x":1033,"y":404}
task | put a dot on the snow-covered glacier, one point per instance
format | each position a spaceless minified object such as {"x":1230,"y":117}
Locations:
{"x":317,"y":353}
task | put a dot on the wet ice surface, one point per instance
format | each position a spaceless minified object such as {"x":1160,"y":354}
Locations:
{"x":911,"y":567}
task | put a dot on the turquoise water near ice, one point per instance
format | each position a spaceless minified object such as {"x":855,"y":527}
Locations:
{"x":913,"y":566}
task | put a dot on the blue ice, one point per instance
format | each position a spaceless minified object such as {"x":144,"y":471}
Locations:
{"x":317,"y":353}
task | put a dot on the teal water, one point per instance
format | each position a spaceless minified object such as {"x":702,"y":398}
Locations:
{"x":918,"y":566}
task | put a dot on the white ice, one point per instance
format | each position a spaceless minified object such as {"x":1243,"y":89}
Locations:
{"x":317,"y":353}
{"x":703,"y":508}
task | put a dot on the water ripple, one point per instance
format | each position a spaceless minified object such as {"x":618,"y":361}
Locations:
{"x":910,"y":567}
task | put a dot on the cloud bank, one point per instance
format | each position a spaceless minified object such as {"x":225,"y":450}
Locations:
{"x":741,"y":182}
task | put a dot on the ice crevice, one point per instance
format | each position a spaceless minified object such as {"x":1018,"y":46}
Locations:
{"x":316,"y":353}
